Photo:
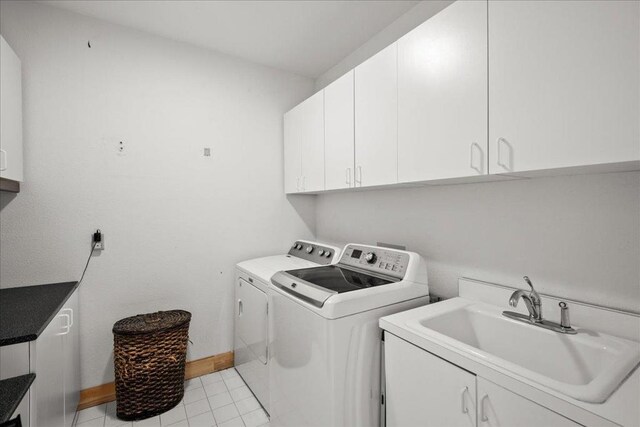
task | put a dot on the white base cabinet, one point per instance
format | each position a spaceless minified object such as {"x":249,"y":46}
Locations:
{"x":499,"y":407}
{"x":55,"y":359}
{"x":425,"y":390}
{"x":422,"y":389}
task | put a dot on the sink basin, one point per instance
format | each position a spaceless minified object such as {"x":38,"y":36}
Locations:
{"x":587,"y":366}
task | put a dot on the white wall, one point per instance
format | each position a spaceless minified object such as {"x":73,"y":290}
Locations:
{"x":175,"y":222}
{"x":576,"y":237}
{"x":398,"y":28}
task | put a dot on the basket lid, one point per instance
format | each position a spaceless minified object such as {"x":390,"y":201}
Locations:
{"x":151,"y":322}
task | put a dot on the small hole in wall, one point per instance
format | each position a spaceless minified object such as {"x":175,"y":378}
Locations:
{"x":89,"y":44}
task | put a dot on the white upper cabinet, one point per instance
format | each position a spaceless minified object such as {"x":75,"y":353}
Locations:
{"x":339,"y":133}
{"x":376,"y":119}
{"x":564,"y":84}
{"x":442,"y":95}
{"x":292,"y":149}
{"x":304,"y":146}
{"x":10,"y":113}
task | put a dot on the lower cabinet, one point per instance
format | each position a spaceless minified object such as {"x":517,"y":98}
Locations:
{"x":498,"y":406}
{"x":423,"y":389}
{"x":54,"y":358}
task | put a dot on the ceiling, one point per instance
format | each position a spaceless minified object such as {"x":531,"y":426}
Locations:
{"x":302,"y":37}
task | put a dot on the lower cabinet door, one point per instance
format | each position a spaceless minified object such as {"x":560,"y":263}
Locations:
{"x":498,"y":406}
{"x":47,"y":362}
{"x":424,"y":390}
{"x":71,"y":350}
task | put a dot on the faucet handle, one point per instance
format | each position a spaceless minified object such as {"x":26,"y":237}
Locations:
{"x":526,"y":279}
{"x":533,"y":294}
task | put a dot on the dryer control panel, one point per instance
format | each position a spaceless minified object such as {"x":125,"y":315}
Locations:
{"x":319,"y":254}
{"x":385,"y":261}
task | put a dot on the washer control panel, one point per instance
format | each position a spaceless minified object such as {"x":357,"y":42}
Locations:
{"x":312,"y":252}
{"x":384,"y":261}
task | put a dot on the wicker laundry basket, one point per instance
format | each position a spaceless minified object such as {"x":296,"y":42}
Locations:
{"x":149,"y":360}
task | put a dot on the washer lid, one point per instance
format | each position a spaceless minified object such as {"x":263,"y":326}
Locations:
{"x":305,"y":291}
{"x":340,"y":279}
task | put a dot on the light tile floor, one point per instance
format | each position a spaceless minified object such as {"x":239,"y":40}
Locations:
{"x":219,"y":399}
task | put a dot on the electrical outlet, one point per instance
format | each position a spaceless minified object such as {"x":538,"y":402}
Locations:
{"x":97,"y":239}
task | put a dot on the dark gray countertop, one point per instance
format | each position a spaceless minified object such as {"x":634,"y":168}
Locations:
{"x":12,"y":390}
{"x":26,"y":311}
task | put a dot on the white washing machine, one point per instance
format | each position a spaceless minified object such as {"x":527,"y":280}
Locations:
{"x":325,"y":343}
{"x":252,"y":280}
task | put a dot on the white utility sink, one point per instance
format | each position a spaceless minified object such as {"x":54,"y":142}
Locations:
{"x":587,"y":366}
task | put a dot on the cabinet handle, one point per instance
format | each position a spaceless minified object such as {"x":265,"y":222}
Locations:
{"x":483,"y":413}
{"x":501,"y":142}
{"x":67,"y":326}
{"x":70,"y":311}
{"x":358,"y":176}
{"x":471,"y":161}
{"x":348,"y":172}
{"x":463,"y":408}
{"x":240,"y":307}
{"x":3,"y":160}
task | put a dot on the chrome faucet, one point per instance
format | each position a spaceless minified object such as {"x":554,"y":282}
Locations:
{"x":531,"y":300}
{"x":534,"y":305}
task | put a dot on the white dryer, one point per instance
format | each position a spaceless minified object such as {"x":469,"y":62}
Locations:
{"x":252,"y":279}
{"x":325,"y":344}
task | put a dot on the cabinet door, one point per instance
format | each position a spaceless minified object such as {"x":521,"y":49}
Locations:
{"x":304,"y":146}
{"x":292,"y":151}
{"x":71,"y":350}
{"x":376,"y":119}
{"x":312,"y":124}
{"x":47,"y":362}
{"x":500,"y":407}
{"x":10,"y":113}
{"x":338,"y":133}
{"x":424,"y":390}
{"x":442,"y":95}
{"x":564,"y":79}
